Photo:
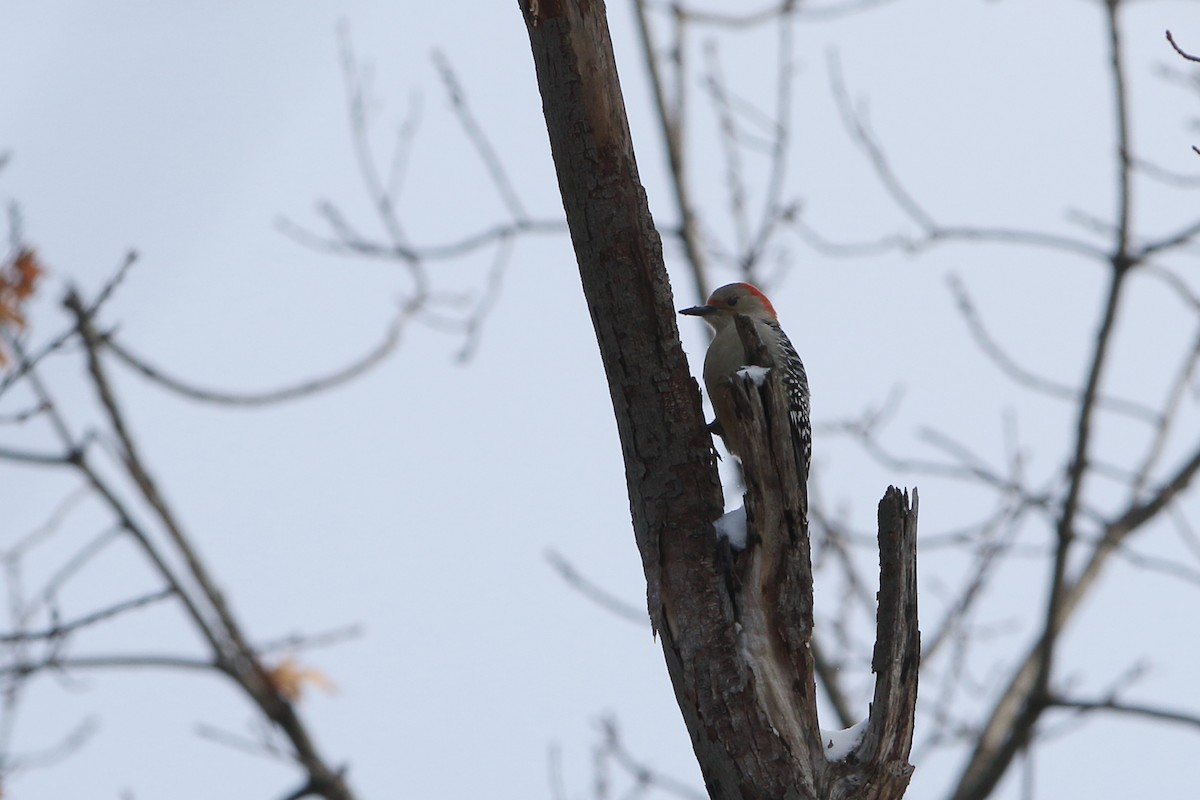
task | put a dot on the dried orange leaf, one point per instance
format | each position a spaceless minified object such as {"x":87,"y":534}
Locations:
{"x":289,"y":678}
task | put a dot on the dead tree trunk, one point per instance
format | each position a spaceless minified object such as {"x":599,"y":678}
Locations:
{"x":736,"y":627}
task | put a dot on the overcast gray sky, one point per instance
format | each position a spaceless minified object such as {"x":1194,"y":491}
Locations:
{"x":420,"y":500}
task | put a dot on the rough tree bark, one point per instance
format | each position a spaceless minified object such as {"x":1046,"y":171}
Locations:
{"x":735,"y":627}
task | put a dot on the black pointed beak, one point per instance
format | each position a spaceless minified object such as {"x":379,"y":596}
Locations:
{"x":698,"y":311}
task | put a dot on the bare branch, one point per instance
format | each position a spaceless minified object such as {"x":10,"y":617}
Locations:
{"x":835,"y":540}
{"x":671,"y":121}
{"x":966,"y":466}
{"x":728,"y":135}
{"x":422,"y":302}
{"x":1175,"y":396}
{"x":479,"y":140}
{"x":1181,"y":237}
{"x":591,"y":591}
{"x":377,"y":189}
{"x":70,"y":744}
{"x":20,"y":417}
{"x":59,"y":630}
{"x":751,"y":246}
{"x":1161,"y":566}
{"x":415,"y":254}
{"x":309,"y":641}
{"x":1135,"y":709}
{"x":988,"y":552}
{"x":1011,"y":722}
{"x":1006,"y":720}
{"x":30,"y":457}
{"x":643,"y":775}
{"x":992,"y":349}
{"x":80,"y":462}
{"x":1165,"y":176}
{"x":110,"y":286}
{"x":1120,"y":256}
{"x":47,"y":529}
{"x":932,"y":232}
{"x":116,"y":661}
{"x":855,"y":122}
{"x":1138,"y":515}
{"x":297,"y":391}
{"x":774,"y":209}
{"x":232,"y":653}
{"x":261,"y":746}
{"x":28,"y":361}
{"x":1176,"y":283}
{"x":1184,"y":530}
{"x":804,"y":12}
{"x":473,"y":324}
{"x":1076,"y":473}
{"x":78,"y":560}
{"x":1180,"y":50}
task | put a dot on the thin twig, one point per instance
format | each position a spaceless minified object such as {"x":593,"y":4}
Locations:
{"x":479,"y":140}
{"x":1009,"y":366}
{"x":70,"y":744}
{"x":932,"y":232}
{"x":1169,"y":242}
{"x":31,"y":457}
{"x":774,"y":210}
{"x":356,"y":102}
{"x":21,"y":417}
{"x":488,"y":299}
{"x":591,"y":591}
{"x":462,"y":246}
{"x":236,"y":741}
{"x":643,"y":775}
{"x":61,"y":629}
{"x":804,"y":12}
{"x":28,"y":361}
{"x":1174,"y":401}
{"x":78,"y":560}
{"x":1165,"y":176}
{"x":1161,"y":566}
{"x":1136,"y":709}
{"x":735,"y":187}
{"x":296,"y":391}
{"x":671,"y":120}
{"x":309,"y":641}
{"x":987,"y":554}
{"x":1180,"y":50}
{"x":115,"y":661}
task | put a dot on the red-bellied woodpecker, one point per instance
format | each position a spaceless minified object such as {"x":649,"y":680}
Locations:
{"x":726,"y":356}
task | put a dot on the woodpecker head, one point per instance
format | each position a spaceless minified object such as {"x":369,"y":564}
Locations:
{"x":729,"y":301}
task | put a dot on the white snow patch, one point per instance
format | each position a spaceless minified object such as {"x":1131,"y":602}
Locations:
{"x":732,"y":526}
{"x":838,"y":744}
{"x":756,"y":374}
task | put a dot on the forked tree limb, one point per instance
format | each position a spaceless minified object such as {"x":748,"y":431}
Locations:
{"x":774,"y":590}
{"x":735,"y":627}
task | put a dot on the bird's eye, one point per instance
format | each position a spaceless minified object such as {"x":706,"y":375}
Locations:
{"x":733,"y":301}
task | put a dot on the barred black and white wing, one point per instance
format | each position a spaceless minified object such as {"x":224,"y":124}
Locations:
{"x":795,"y":381}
